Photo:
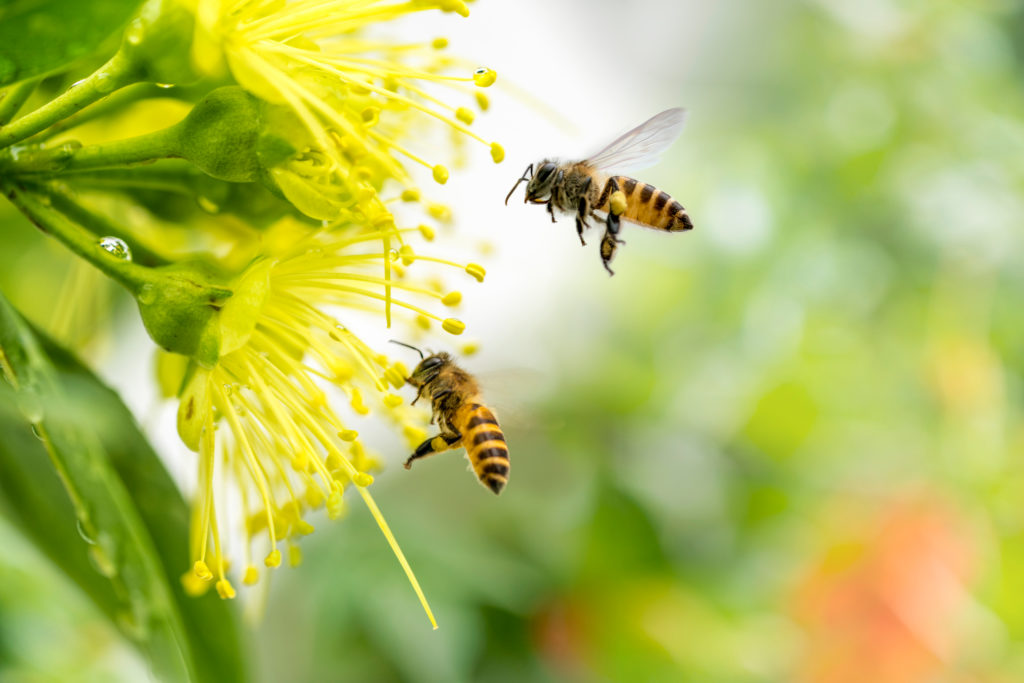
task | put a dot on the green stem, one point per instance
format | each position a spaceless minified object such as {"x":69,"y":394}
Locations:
{"x":115,"y":74}
{"x":100,"y":226}
{"x":83,"y":243}
{"x":16,"y":96}
{"x":69,"y":157}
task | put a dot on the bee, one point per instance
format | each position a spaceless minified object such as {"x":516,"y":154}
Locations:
{"x":589,"y":189}
{"x":462,"y":418}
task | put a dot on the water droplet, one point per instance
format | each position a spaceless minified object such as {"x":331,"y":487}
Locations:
{"x":116,"y":247}
{"x":484,"y":77}
{"x":79,"y":82}
{"x":70,"y":146}
{"x":105,"y":82}
{"x":36,"y":431}
{"x":134,"y":33}
{"x":8,"y":70}
{"x":83,"y":533}
{"x":393,"y":255}
{"x":165,"y":85}
{"x":147,"y":294}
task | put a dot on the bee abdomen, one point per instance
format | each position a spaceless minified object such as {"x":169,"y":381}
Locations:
{"x":486,"y":447}
{"x":647,"y":205}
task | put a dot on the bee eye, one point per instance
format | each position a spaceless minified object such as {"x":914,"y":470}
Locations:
{"x":428,"y":363}
{"x":545,"y":171}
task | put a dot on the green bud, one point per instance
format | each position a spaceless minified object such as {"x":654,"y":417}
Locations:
{"x":179,"y":308}
{"x":157,"y":42}
{"x":221,"y":135}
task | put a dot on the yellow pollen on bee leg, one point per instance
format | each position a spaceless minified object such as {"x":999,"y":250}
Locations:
{"x":617,"y":202}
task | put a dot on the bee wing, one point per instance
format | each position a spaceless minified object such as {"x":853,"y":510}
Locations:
{"x":641,"y":147}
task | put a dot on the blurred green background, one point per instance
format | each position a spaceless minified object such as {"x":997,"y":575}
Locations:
{"x":785,"y":447}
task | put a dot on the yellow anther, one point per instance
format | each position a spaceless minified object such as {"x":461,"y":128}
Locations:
{"x":440,"y":174}
{"x":617,"y":202}
{"x":396,"y":374}
{"x":304,"y":528}
{"x":193,"y":585}
{"x":224,"y":589}
{"x":497,"y":152}
{"x":451,"y":298}
{"x":362,"y":479}
{"x":294,"y":555}
{"x":371,"y":115}
{"x":384,"y":220}
{"x":423,"y":322}
{"x":392,"y":400}
{"x":453,"y":326}
{"x":439,"y":43}
{"x":457,"y":6}
{"x":407,"y":254}
{"x":427,"y":232}
{"x":348,"y":434}
{"x":477,"y":271}
{"x":410,"y":194}
{"x":484,"y":77}
{"x":482,"y":101}
{"x":357,"y":402}
{"x":252,"y":576}
{"x":273,"y":559}
{"x":414,"y":434}
{"x":314,"y":497}
{"x":440,"y":212}
{"x":469,"y":348}
{"x":465,"y":115}
{"x":335,"y":505}
{"x":202,"y":571}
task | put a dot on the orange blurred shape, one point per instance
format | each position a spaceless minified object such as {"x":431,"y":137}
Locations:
{"x":884,"y":602}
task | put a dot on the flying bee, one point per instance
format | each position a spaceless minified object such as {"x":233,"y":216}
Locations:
{"x":589,"y":188}
{"x":462,"y":418}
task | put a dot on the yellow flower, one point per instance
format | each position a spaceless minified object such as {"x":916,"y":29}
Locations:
{"x":262,"y":416}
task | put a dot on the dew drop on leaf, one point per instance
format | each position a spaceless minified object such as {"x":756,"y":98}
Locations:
{"x":117,"y":247}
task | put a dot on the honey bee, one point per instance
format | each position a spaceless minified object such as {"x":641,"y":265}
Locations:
{"x":462,"y":418}
{"x":588,"y":188}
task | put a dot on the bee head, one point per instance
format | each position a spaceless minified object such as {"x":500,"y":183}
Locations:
{"x":538,"y":185}
{"x":428,"y":368}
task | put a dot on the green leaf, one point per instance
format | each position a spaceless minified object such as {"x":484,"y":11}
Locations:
{"x":90,"y":492}
{"x":40,"y":36}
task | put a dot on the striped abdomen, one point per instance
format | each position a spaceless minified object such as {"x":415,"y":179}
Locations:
{"x":485,"y":445}
{"x":647,"y":205}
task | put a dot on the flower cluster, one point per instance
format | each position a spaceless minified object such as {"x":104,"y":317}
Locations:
{"x":305,"y":143}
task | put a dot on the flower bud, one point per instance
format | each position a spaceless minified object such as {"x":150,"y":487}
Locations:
{"x":221,"y":135}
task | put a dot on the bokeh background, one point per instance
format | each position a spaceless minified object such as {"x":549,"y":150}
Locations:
{"x":786,"y":446}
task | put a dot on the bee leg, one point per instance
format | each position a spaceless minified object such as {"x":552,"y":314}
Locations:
{"x":582,"y":211}
{"x":610,"y":242}
{"x":435,"y":444}
{"x":551,"y":210}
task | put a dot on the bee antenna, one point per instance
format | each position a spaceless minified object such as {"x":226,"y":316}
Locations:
{"x":529,"y":169}
{"x":408,"y":346}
